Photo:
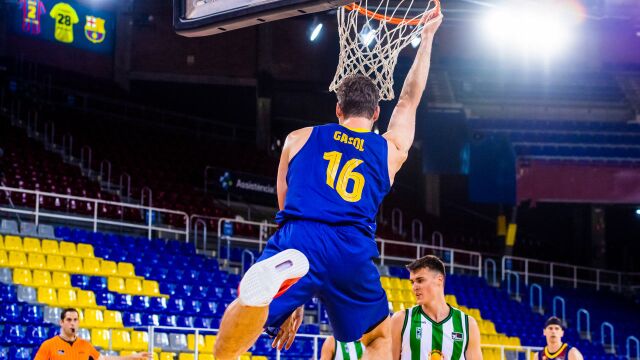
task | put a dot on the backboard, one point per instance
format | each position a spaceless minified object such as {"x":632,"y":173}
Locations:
{"x":195,"y":18}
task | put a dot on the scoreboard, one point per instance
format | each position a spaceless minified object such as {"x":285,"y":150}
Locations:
{"x":66,"y":22}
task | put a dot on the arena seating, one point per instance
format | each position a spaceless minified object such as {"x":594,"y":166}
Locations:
{"x":577,"y":140}
{"x":127,"y":283}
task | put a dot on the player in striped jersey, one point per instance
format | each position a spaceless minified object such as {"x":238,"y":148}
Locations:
{"x":555,"y":348}
{"x":338,"y":350}
{"x":433,"y":329}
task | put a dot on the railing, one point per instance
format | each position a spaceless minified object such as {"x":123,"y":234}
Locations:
{"x":532,"y":298}
{"x":513,"y":275}
{"x":635,"y":340}
{"x":563,"y":316}
{"x":556,"y":273}
{"x":151,"y":330}
{"x":455,"y":260}
{"x":611,"y":345}
{"x":43,"y":197}
{"x":581,"y":331}
{"x":490,"y":264}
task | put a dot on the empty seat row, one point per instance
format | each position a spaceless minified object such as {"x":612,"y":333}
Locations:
{"x":26,"y":228}
{"x":29,"y":244}
{"x":71,"y":264}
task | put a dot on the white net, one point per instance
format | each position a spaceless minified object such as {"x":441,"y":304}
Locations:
{"x":370,"y":40}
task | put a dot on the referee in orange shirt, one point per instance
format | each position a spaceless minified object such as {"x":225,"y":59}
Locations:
{"x":68,"y":346}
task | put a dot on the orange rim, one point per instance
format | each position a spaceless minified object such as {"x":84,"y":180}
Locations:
{"x":390,"y":19}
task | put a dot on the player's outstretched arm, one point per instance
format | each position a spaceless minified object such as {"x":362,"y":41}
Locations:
{"x":574,"y":354}
{"x":474,"y":352}
{"x":328,"y":348}
{"x":397,"y":320}
{"x":402,"y":124}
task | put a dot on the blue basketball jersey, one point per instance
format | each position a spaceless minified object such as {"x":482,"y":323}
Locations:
{"x":340,"y":176}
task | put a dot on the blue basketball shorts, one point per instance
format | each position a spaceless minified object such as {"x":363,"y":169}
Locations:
{"x":341,"y":274}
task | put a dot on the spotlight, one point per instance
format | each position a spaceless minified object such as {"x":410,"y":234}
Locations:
{"x":638,"y":212}
{"x":415,"y":41}
{"x":316,"y":31}
{"x":367,"y":35}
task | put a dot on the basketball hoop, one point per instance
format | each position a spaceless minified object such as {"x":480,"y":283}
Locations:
{"x":372,"y":36}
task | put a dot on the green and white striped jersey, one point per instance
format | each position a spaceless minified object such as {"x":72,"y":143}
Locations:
{"x":348,"y":351}
{"x":424,"y":339}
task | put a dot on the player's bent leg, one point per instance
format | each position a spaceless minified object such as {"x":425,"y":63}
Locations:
{"x":378,"y":342}
{"x":240,"y":327}
{"x":244,"y":319}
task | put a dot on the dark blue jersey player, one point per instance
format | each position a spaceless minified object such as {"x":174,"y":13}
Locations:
{"x":331,"y":181}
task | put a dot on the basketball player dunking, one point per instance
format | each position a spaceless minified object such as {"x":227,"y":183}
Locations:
{"x":331,"y":181}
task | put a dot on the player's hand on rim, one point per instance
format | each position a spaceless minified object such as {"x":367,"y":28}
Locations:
{"x":288,"y":330}
{"x":432,"y":21}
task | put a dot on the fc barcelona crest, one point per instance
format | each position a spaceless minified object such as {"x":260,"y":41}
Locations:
{"x":94,"y":29}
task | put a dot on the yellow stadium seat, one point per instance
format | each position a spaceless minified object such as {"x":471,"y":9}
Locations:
{"x":150,"y":288}
{"x":451,"y":300}
{"x":4,"y":259}
{"x":490,"y":327}
{"x":126,"y":270}
{"x":395,"y":283}
{"x":37,"y":261}
{"x":186,"y":356}
{"x":167,"y":356}
{"x":13,"y":242}
{"x":515,"y":341}
{"x":47,"y":296}
{"x":22,"y":277}
{"x":384,"y":281}
{"x":93,"y":319}
{"x":191,"y":342}
{"x":115,"y":284}
{"x":133,"y":286}
{"x":245,"y":356}
{"x":209,"y":342}
{"x":61,"y":279}
{"x":50,"y":247}
{"x":86,"y":299}
{"x":139,"y":340}
{"x":55,"y":262}
{"x":91,"y":266}
{"x":475,"y":313}
{"x":409,"y":305}
{"x":17,"y":259}
{"x":190,"y":356}
{"x":113,"y":319}
{"x":67,"y":297}
{"x":67,"y":248}
{"x":100,"y":338}
{"x":259,"y":358}
{"x":85,"y":250}
{"x":1,"y":242}
{"x":120,"y":340}
{"x":205,"y":356}
{"x":108,"y":268}
{"x":398,"y":306}
{"x":405,"y":284}
{"x":41,"y":278}
{"x":31,"y":245}
{"x":73,"y":264}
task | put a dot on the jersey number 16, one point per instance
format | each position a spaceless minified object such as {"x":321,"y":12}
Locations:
{"x":346,"y":174}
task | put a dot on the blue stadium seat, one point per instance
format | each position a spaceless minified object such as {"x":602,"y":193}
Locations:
{"x":192,"y":307}
{"x":8,"y":294}
{"x":208,"y":308}
{"x":122,"y":302}
{"x":4,"y":353}
{"x":132,"y":319}
{"x":20,"y":353}
{"x":140,"y":303}
{"x":168,"y":320}
{"x":185,"y":321}
{"x":97,"y":283}
{"x":32,"y":314}
{"x":202,"y":322}
{"x":191,"y":276}
{"x":158,"y":305}
{"x":199,"y":292}
{"x":175,"y":306}
{"x":183,"y":290}
{"x":36,"y":335}
{"x":168,"y":288}
{"x":81,"y":281}
{"x":10,"y":313}
{"x":150,"y":320}
{"x":105,"y":298}
{"x":14,"y":335}
{"x":159,"y":273}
